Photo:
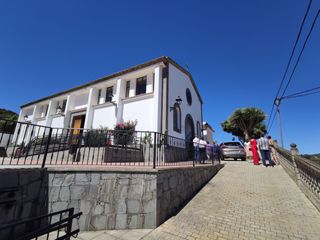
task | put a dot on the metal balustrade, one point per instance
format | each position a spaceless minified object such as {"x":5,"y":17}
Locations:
{"x":24,"y":143}
{"x":56,"y":225}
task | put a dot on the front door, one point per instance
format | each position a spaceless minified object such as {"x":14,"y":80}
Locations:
{"x":189,"y":135}
{"x":77,"y":126}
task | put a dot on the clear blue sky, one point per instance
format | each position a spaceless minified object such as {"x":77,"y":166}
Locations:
{"x":235,"y":50}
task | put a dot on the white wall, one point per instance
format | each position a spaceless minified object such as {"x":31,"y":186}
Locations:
{"x":178,"y":83}
{"x":104,"y":117}
{"x":80,"y":101}
{"x":5,"y":138}
{"x":57,"y":122}
{"x":41,"y":122}
{"x":140,"y":110}
{"x":208,"y":135}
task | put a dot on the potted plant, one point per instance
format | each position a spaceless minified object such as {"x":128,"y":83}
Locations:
{"x":123,"y":132}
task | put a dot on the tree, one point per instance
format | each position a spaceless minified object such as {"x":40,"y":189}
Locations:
{"x":246,"y":123}
{"x":7,"y":126}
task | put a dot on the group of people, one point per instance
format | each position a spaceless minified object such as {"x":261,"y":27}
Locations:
{"x":263,"y":149}
{"x":203,"y":150}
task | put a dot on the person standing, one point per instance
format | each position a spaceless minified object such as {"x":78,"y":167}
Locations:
{"x":263,"y":144}
{"x":209,"y":151}
{"x":272,"y":150}
{"x":196,"y":142}
{"x":202,"y":148}
{"x":254,"y":150}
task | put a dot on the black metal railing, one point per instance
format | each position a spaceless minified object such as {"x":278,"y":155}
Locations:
{"x":56,"y":225}
{"x":31,"y":144}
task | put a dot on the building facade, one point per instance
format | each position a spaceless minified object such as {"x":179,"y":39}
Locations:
{"x":208,"y":132}
{"x":159,"y":94}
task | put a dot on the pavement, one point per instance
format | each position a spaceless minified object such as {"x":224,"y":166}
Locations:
{"x":242,"y":201}
{"x":134,"y":234}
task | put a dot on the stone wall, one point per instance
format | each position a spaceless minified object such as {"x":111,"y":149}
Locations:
{"x":108,"y":200}
{"x":23,"y":194}
{"x":123,"y":199}
{"x":175,"y":187}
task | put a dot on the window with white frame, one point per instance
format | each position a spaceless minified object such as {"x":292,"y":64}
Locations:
{"x":198,"y":129}
{"x":127,"y":89}
{"x":141,"y":85}
{"x":176,"y":118}
{"x":64,"y":104}
{"x":99,"y":96}
{"x":109,"y":94}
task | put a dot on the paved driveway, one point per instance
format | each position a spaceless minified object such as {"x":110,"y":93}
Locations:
{"x":245,"y":202}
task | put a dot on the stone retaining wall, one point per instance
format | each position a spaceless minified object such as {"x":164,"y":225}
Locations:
{"x":111,"y":199}
{"x":23,"y":194}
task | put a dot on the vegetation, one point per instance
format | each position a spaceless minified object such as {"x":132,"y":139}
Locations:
{"x":5,"y":126}
{"x":245,"y":123}
{"x":97,"y":137}
{"x":123,"y":132}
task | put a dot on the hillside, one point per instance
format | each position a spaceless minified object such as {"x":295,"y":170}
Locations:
{"x":7,"y":114}
{"x":7,"y":127}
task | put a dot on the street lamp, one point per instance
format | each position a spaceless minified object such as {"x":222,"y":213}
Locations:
{"x":178,"y":101}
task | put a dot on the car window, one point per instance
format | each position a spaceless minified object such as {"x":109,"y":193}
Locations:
{"x":232,"y":144}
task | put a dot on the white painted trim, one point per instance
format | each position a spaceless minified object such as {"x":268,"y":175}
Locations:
{"x":138,"y":97}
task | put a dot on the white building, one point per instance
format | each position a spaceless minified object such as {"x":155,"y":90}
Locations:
{"x":208,"y":132}
{"x":149,"y":93}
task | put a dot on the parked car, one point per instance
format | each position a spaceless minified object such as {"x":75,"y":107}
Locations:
{"x":232,"y":150}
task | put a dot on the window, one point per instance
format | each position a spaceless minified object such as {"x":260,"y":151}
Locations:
{"x":198,"y":129}
{"x":64,"y":104}
{"x":141,"y":85}
{"x":46,"y":110}
{"x":109,"y":94}
{"x":127,"y":89}
{"x":99,"y":96}
{"x":177,"y":118}
{"x":153,"y":77}
{"x":188,"y":96}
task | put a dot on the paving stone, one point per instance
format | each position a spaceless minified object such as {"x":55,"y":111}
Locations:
{"x":244,"y":201}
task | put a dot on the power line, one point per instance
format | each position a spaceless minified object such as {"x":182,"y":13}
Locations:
{"x":291,"y":56}
{"x":303,"y":95}
{"x":301,"y":52}
{"x":302,"y":92}
{"x":274,"y":117}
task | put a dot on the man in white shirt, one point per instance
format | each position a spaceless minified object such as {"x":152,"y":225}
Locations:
{"x":196,"y":142}
{"x":202,"y":149}
{"x":263,"y":144}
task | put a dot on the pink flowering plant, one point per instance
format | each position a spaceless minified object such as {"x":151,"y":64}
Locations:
{"x":123,"y":132}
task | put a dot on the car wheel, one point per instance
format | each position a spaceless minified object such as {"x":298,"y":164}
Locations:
{"x":235,"y":159}
{"x":243,"y":159}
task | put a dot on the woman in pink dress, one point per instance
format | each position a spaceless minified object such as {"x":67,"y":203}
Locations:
{"x":254,"y":149}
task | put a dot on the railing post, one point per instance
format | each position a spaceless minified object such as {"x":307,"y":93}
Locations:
{"x":192,"y":154}
{"x":69,"y":227}
{"x":154,"y":149}
{"x":47,"y":147}
{"x":294,"y":152}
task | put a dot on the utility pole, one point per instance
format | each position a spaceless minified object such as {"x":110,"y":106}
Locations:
{"x":277,"y":102}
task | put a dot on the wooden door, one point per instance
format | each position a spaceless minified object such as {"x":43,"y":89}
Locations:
{"x":77,"y":125}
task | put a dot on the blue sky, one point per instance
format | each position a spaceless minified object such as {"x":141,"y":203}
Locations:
{"x":235,"y":50}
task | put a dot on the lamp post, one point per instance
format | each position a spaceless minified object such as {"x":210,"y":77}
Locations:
{"x":277,"y":102}
{"x":178,"y":101}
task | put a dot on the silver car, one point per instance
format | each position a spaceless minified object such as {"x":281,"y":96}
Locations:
{"x":232,"y":150}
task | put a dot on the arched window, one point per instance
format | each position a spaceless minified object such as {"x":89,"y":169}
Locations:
{"x":198,"y":129}
{"x":176,"y":118}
